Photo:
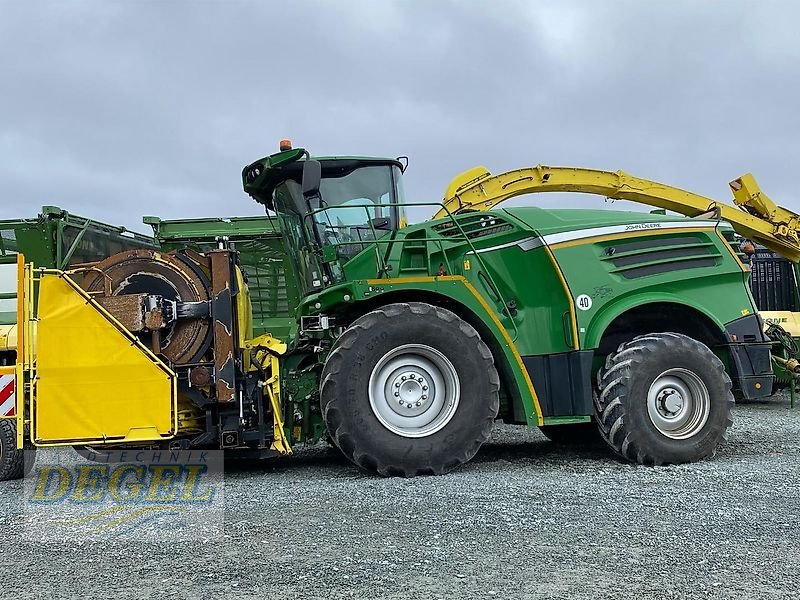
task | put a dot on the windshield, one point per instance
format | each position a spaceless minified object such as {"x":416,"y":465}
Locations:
{"x":353,"y":200}
{"x":357,"y":206}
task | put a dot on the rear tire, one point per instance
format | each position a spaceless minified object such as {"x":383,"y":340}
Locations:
{"x":664,"y":398}
{"x":12,"y":459}
{"x":434,"y":362}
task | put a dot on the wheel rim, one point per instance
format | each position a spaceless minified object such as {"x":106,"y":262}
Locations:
{"x":678,"y":403}
{"x":414,"y":390}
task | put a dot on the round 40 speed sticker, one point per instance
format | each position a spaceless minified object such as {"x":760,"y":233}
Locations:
{"x":583,"y":302}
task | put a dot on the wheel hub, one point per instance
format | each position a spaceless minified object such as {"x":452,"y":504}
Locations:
{"x":670,"y":402}
{"x":678,"y":403}
{"x":411,"y":392}
{"x":414,"y":390}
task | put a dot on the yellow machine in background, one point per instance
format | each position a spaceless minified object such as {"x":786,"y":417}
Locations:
{"x":790,"y":321}
{"x":8,"y":337}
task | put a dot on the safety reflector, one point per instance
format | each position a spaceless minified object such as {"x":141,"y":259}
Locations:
{"x":7,"y":396}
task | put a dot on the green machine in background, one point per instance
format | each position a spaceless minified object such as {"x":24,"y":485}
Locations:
{"x":54,"y":239}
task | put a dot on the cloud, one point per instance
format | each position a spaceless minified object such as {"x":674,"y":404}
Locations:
{"x":115,"y":110}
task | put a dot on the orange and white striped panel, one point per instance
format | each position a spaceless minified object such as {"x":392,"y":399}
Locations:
{"x":7,"y":395}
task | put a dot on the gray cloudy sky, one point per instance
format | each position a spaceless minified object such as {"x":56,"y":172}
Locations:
{"x":119,"y":109}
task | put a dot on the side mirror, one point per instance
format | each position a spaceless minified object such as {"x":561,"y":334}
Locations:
{"x":312,"y":176}
{"x":381,"y":223}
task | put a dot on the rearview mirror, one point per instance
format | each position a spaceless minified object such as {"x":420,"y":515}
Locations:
{"x":381,"y":223}
{"x":312,"y":176}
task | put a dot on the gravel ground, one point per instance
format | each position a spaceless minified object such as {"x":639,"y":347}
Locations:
{"x":525,"y":519}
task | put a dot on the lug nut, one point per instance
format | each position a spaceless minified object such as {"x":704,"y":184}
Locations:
{"x":404,"y":378}
{"x":419,"y":403}
{"x":408,"y":406}
{"x":424,"y":388}
{"x":396,"y":394}
{"x":424,"y":396}
{"x":412,"y":376}
{"x":396,"y":384}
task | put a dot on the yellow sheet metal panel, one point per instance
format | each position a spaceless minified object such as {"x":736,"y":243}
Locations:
{"x":93,"y":381}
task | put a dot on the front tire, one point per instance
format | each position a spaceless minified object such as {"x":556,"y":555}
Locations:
{"x":664,"y":398}
{"x":410,"y":389}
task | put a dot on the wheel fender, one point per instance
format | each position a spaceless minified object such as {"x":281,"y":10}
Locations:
{"x":456,"y":290}
{"x":606,"y":315}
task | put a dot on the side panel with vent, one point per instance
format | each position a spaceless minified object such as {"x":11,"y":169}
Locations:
{"x":474,"y":226}
{"x":644,"y":257}
{"x":690,"y":267}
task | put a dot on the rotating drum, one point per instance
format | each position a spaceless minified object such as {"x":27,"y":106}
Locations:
{"x":174,"y":276}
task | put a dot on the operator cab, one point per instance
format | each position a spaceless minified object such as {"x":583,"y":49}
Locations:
{"x":329,"y":208}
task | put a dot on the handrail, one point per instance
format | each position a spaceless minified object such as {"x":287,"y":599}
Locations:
{"x":24,"y":362}
{"x":437,"y":240}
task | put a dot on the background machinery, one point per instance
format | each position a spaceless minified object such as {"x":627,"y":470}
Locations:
{"x":404,"y":342}
{"x":54,"y":239}
{"x":774,"y":283}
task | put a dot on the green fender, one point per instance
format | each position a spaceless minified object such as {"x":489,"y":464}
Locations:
{"x":452,"y":288}
{"x":613,"y":309}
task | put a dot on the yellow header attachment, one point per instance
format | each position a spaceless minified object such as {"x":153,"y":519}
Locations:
{"x":759,"y":219}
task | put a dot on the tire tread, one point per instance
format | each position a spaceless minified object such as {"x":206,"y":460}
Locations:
{"x":12,"y":459}
{"x":331,"y":399}
{"x":610,"y":407}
